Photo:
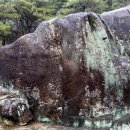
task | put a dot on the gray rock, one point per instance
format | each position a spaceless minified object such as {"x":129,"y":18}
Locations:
{"x":14,"y":108}
{"x":119,"y":22}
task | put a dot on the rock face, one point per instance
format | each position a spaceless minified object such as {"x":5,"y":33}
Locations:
{"x":119,"y":22}
{"x":70,"y":69}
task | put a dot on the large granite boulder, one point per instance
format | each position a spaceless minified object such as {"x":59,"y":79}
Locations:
{"x":119,"y":22}
{"x":70,"y":69}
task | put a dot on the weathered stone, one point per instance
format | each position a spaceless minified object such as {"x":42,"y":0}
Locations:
{"x":119,"y":22}
{"x":69,"y":69}
{"x":14,"y":109}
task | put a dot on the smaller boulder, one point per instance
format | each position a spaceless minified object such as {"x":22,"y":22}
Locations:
{"x":15,"y":109}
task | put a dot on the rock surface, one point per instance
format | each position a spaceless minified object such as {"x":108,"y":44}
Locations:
{"x":71,"y":70}
{"x":14,"y":109}
{"x":119,"y":22}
